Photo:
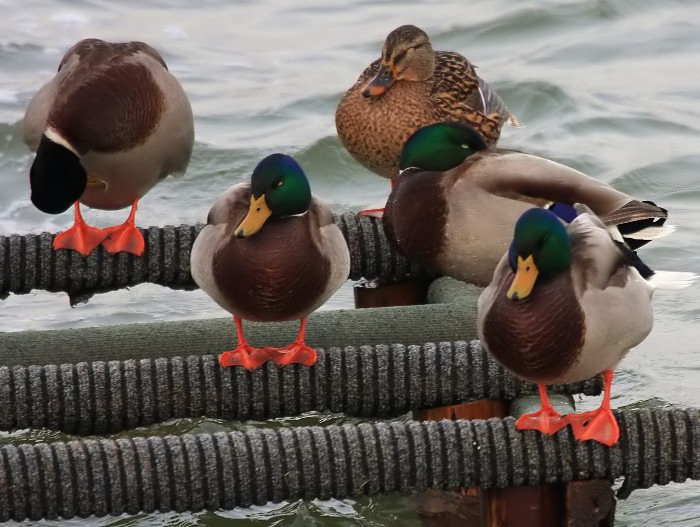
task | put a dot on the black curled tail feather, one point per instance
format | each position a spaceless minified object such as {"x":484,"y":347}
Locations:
{"x":635,"y":261}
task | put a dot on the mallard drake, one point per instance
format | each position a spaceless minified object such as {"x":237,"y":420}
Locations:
{"x":565,"y":304}
{"x":408,"y":87}
{"x":455,"y":202}
{"x":270,"y":252}
{"x":106,"y":128}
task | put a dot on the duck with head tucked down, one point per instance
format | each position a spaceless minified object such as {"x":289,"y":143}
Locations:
{"x":565,"y":304}
{"x":456,"y":200}
{"x":106,"y":128}
{"x":270,"y":252}
{"x":408,"y":87}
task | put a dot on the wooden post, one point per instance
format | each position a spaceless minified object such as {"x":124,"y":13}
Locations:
{"x":403,"y":293}
{"x":451,"y":508}
{"x":576,"y":504}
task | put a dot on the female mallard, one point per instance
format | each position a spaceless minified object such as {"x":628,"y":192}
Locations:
{"x":270,"y":252}
{"x":111,"y":124}
{"x":455,"y":202}
{"x":565,"y":304}
{"x":408,"y":87}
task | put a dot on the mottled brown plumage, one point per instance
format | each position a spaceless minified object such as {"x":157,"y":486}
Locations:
{"x":409,"y":87}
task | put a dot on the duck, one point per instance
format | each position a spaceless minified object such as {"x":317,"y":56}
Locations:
{"x":455,"y":202}
{"x":270,"y":252}
{"x":408,"y":87}
{"x":110,"y":124}
{"x":567,"y":302}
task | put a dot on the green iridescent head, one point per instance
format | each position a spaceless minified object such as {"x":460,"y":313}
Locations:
{"x":540,"y":249}
{"x":279,"y":188}
{"x":441,"y":146}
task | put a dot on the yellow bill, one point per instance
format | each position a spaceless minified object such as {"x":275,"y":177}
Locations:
{"x":95,"y":182}
{"x":258,"y":213}
{"x":524,"y":280}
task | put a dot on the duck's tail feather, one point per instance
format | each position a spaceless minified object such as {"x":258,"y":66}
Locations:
{"x":652,"y":233}
{"x":492,"y":103}
{"x":673,"y":280}
{"x":638,"y":222}
{"x":514,"y":121}
{"x":633,"y":259}
{"x":669,"y":280}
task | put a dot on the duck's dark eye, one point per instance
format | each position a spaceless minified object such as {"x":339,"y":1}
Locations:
{"x":399,"y":57}
{"x":277,"y":183}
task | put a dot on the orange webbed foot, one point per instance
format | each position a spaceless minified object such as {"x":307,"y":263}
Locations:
{"x":372,"y":213}
{"x":247,"y":356}
{"x":599,"y":425}
{"x":80,"y":237}
{"x":297,"y":353}
{"x":124,"y":238}
{"x":547,"y":420}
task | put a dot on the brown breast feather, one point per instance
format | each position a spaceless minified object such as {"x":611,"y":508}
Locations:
{"x":415,"y":217}
{"x":276,"y":274}
{"x":540,"y":337}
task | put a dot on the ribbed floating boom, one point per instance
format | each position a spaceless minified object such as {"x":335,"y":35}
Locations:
{"x":97,"y":477}
{"x":371,"y":381}
{"x":28,"y":262}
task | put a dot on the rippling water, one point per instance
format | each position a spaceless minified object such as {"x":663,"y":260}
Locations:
{"x":609,"y":87}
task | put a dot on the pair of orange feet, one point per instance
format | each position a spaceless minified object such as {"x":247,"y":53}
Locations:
{"x":84,"y":238}
{"x":252,"y":358}
{"x":598,"y":425}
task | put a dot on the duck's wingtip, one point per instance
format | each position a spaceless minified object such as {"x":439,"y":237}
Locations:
{"x":652,"y":232}
{"x":515,"y":122}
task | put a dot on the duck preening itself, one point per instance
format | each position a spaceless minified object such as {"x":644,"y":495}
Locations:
{"x":106,"y":128}
{"x":456,"y":200}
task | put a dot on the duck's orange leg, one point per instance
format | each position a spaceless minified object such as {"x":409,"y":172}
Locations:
{"x":377,"y":212}
{"x":547,"y":420}
{"x":244,"y":354}
{"x":598,"y":425}
{"x":372,"y":213}
{"x":297,"y":352}
{"x":80,"y":237}
{"x":125,"y":237}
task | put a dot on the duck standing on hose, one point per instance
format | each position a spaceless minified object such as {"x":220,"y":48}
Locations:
{"x":106,"y":128}
{"x":565,"y":304}
{"x":270,"y":252}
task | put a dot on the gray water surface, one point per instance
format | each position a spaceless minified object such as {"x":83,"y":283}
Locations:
{"x":609,"y":87}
